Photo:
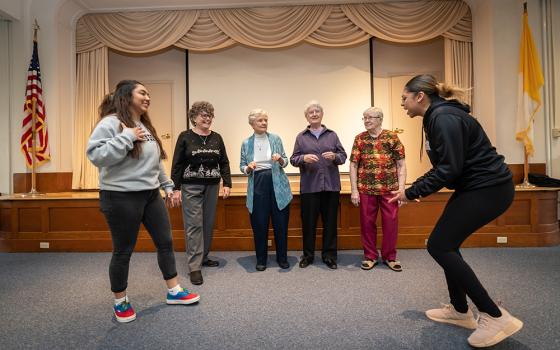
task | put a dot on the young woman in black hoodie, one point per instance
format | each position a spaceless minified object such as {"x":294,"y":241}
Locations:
{"x":462,"y":159}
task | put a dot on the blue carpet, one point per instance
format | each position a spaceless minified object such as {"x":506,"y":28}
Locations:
{"x":63,"y":301}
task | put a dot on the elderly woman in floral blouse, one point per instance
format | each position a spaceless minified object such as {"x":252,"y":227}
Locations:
{"x":377,"y":167}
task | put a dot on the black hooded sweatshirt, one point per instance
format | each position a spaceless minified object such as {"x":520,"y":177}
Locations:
{"x":461,"y":154}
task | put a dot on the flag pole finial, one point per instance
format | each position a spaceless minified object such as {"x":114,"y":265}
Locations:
{"x":35,"y":29}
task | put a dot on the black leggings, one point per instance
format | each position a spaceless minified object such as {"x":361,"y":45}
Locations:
{"x":124,"y":211}
{"x":465,"y":213}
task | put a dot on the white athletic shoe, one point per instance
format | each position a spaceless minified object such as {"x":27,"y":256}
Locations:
{"x":492,"y":330}
{"x":448,"y":314}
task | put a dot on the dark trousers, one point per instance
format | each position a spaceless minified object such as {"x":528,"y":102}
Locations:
{"x":465,"y":213}
{"x":264,"y":208}
{"x":313,"y":204}
{"x":124,"y":211}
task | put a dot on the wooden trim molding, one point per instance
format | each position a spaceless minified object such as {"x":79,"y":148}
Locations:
{"x":62,"y":182}
{"x":73,"y":222}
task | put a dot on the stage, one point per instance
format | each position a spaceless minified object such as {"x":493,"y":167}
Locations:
{"x":71,"y":221}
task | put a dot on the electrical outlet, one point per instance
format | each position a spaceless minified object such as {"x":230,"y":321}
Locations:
{"x":44,"y":245}
{"x":502,"y":240}
{"x":269,"y":242}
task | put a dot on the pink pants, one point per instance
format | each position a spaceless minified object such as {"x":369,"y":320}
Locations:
{"x":369,"y":206}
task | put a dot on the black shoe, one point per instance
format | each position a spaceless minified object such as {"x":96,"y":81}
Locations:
{"x":260,"y":267}
{"x":330,"y":263}
{"x":196,"y":277}
{"x":304,"y":262}
{"x":284,"y":265}
{"x":211,"y":263}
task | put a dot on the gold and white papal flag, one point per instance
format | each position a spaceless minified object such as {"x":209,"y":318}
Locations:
{"x":530,"y":81}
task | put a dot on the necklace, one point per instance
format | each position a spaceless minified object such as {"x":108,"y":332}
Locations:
{"x":203,"y":139}
{"x":260,"y":144}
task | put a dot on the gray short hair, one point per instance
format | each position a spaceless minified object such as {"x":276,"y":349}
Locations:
{"x":255,"y":113}
{"x":374,"y":112}
{"x":312,"y":103}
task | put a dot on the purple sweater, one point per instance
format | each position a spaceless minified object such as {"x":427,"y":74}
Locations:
{"x":322,"y":175}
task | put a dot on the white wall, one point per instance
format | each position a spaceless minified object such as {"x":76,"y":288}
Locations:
{"x":496,"y":39}
{"x":56,"y":19}
{"x":282,"y":82}
{"x":394,"y":59}
{"x":10,"y":9}
{"x":166,"y":66}
{"x":5,"y":100}
{"x":496,"y":30}
{"x":555,"y":144}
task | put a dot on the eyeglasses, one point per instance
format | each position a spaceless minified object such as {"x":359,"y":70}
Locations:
{"x":371,"y":118}
{"x":206,"y":116}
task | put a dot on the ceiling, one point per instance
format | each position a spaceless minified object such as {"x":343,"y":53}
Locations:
{"x":118,"y":5}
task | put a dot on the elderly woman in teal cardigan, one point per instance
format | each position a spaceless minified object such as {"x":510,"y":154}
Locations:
{"x":268,"y":189}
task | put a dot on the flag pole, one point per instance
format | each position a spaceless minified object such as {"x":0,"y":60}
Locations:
{"x":33,"y":192}
{"x":532,"y":80}
{"x":526,"y":183}
{"x":33,"y":148}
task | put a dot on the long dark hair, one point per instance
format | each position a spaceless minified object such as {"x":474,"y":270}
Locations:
{"x":428,"y":84}
{"x":118,"y":103}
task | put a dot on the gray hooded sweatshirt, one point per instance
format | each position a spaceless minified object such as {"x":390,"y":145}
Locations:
{"x":108,"y":149}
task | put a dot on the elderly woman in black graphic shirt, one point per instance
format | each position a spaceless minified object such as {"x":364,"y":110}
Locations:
{"x":199,"y":162}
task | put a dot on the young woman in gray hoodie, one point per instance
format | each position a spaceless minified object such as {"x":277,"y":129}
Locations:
{"x":127,"y":150}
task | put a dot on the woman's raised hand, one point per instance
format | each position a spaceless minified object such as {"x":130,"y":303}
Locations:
{"x":137,"y":130}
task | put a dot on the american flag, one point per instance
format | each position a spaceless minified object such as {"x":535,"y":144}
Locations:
{"x":34,"y":93}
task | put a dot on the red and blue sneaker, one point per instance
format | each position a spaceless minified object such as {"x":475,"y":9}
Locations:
{"x":124,"y":312}
{"x":183,"y":297}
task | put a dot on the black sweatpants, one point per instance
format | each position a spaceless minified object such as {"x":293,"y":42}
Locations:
{"x":465,"y":213}
{"x":124,"y":211}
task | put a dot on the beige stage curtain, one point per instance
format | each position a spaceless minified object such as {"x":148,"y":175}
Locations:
{"x":140,"y":32}
{"x":458,"y":56}
{"x":337,"y":31}
{"x":458,"y":66}
{"x":270,"y":27}
{"x":205,"y":35}
{"x":274,"y":27}
{"x":406,"y":22}
{"x":92,"y":84}
{"x":259,"y":27}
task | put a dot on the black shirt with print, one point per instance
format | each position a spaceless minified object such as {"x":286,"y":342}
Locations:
{"x":200,"y":160}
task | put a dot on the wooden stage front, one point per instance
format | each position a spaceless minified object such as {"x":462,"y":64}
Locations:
{"x":71,"y":221}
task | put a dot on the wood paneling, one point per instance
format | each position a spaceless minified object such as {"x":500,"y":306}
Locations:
{"x":5,"y":219}
{"x":46,"y":182}
{"x":29,"y":220}
{"x":73,"y":222}
{"x":73,"y":219}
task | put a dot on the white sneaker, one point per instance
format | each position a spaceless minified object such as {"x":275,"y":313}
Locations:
{"x":448,"y":314}
{"x":492,"y":330}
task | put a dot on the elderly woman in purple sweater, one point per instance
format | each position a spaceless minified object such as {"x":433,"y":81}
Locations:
{"x":318,"y":153}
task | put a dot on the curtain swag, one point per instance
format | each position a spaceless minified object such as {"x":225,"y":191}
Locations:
{"x":274,"y":27}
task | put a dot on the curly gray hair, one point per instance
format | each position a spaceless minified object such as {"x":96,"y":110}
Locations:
{"x":255,"y":113}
